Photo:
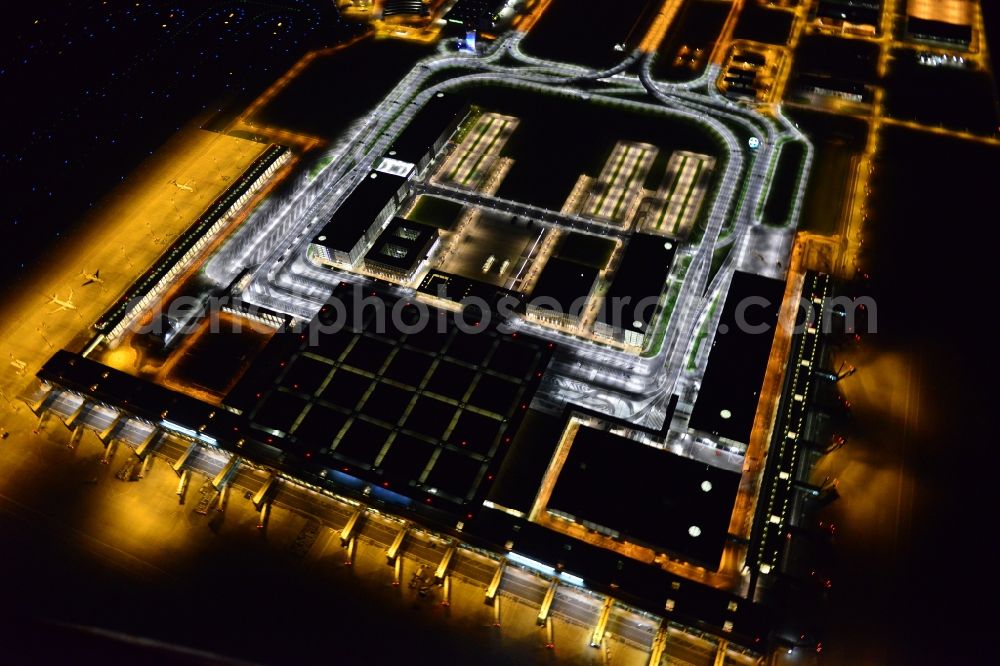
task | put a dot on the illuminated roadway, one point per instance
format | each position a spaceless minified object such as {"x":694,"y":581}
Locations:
{"x":272,"y":243}
{"x":275,"y":239}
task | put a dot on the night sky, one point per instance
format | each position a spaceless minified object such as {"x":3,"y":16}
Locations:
{"x":91,"y":87}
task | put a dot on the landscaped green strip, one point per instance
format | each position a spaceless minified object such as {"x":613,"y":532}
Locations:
{"x":483,"y":127}
{"x":436,"y":212}
{"x":319,"y":166}
{"x":702,"y":334}
{"x":674,"y":284}
{"x":661,"y":330}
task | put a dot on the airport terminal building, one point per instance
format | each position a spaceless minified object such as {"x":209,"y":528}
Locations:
{"x":563,"y":290}
{"x":353,"y":228}
{"x":631,"y":304}
{"x":726,"y":405}
{"x":400,"y":250}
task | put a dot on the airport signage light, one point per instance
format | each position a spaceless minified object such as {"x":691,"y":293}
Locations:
{"x":188,"y":432}
{"x":530,"y":563}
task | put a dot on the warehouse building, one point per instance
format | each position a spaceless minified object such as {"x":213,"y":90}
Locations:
{"x":947,"y":22}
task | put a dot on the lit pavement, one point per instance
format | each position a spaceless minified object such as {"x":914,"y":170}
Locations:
{"x":120,"y":240}
{"x":575,"y":610}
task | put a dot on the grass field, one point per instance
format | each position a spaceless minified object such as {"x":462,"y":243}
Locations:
{"x":784,"y":184}
{"x":440,"y":213}
{"x":837,"y":141}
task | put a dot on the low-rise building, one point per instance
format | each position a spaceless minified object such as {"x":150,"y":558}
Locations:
{"x":357,"y":223}
{"x":563,"y":290}
{"x":400,"y":249}
{"x":940,"y":21}
{"x":628,"y":313}
{"x":855,"y":12}
{"x":429,"y":131}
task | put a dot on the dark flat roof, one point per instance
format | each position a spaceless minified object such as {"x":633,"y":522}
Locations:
{"x":521,"y":475}
{"x":586,"y":249}
{"x":861,"y":12}
{"x":644,"y":585}
{"x":938,"y":30}
{"x":455,"y":288}
{"x":441,"y":114}
{"x":647,"y":494}
{"x":850,"y":86}
{"x":730,"y":389}
{"x":427,"y":412}
{"x":402,"y":244}
{"x":641,"y":276}
{"x":565,"y":282}
{"x":349,"y":223}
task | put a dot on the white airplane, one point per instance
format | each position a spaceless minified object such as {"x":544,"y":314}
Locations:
{"x":187,"y":187}
{"x":162,"y":240}
{"x":91,"y":278}
{"x":18,"y":364}
{"x":63,"y":304}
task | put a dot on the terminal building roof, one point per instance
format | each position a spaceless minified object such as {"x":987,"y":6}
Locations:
{"x":561,"y":284}
{"x":354,"y":217}
{"x":402,"y":245}
{"x":423,"y":410}
{"x":635,"y":582}
{"x":730,"y":388}
{"x":640,"y":278}
{"x":647,"y":495}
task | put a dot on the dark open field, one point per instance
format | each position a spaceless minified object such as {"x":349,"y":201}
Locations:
{"x":586,"y":32}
